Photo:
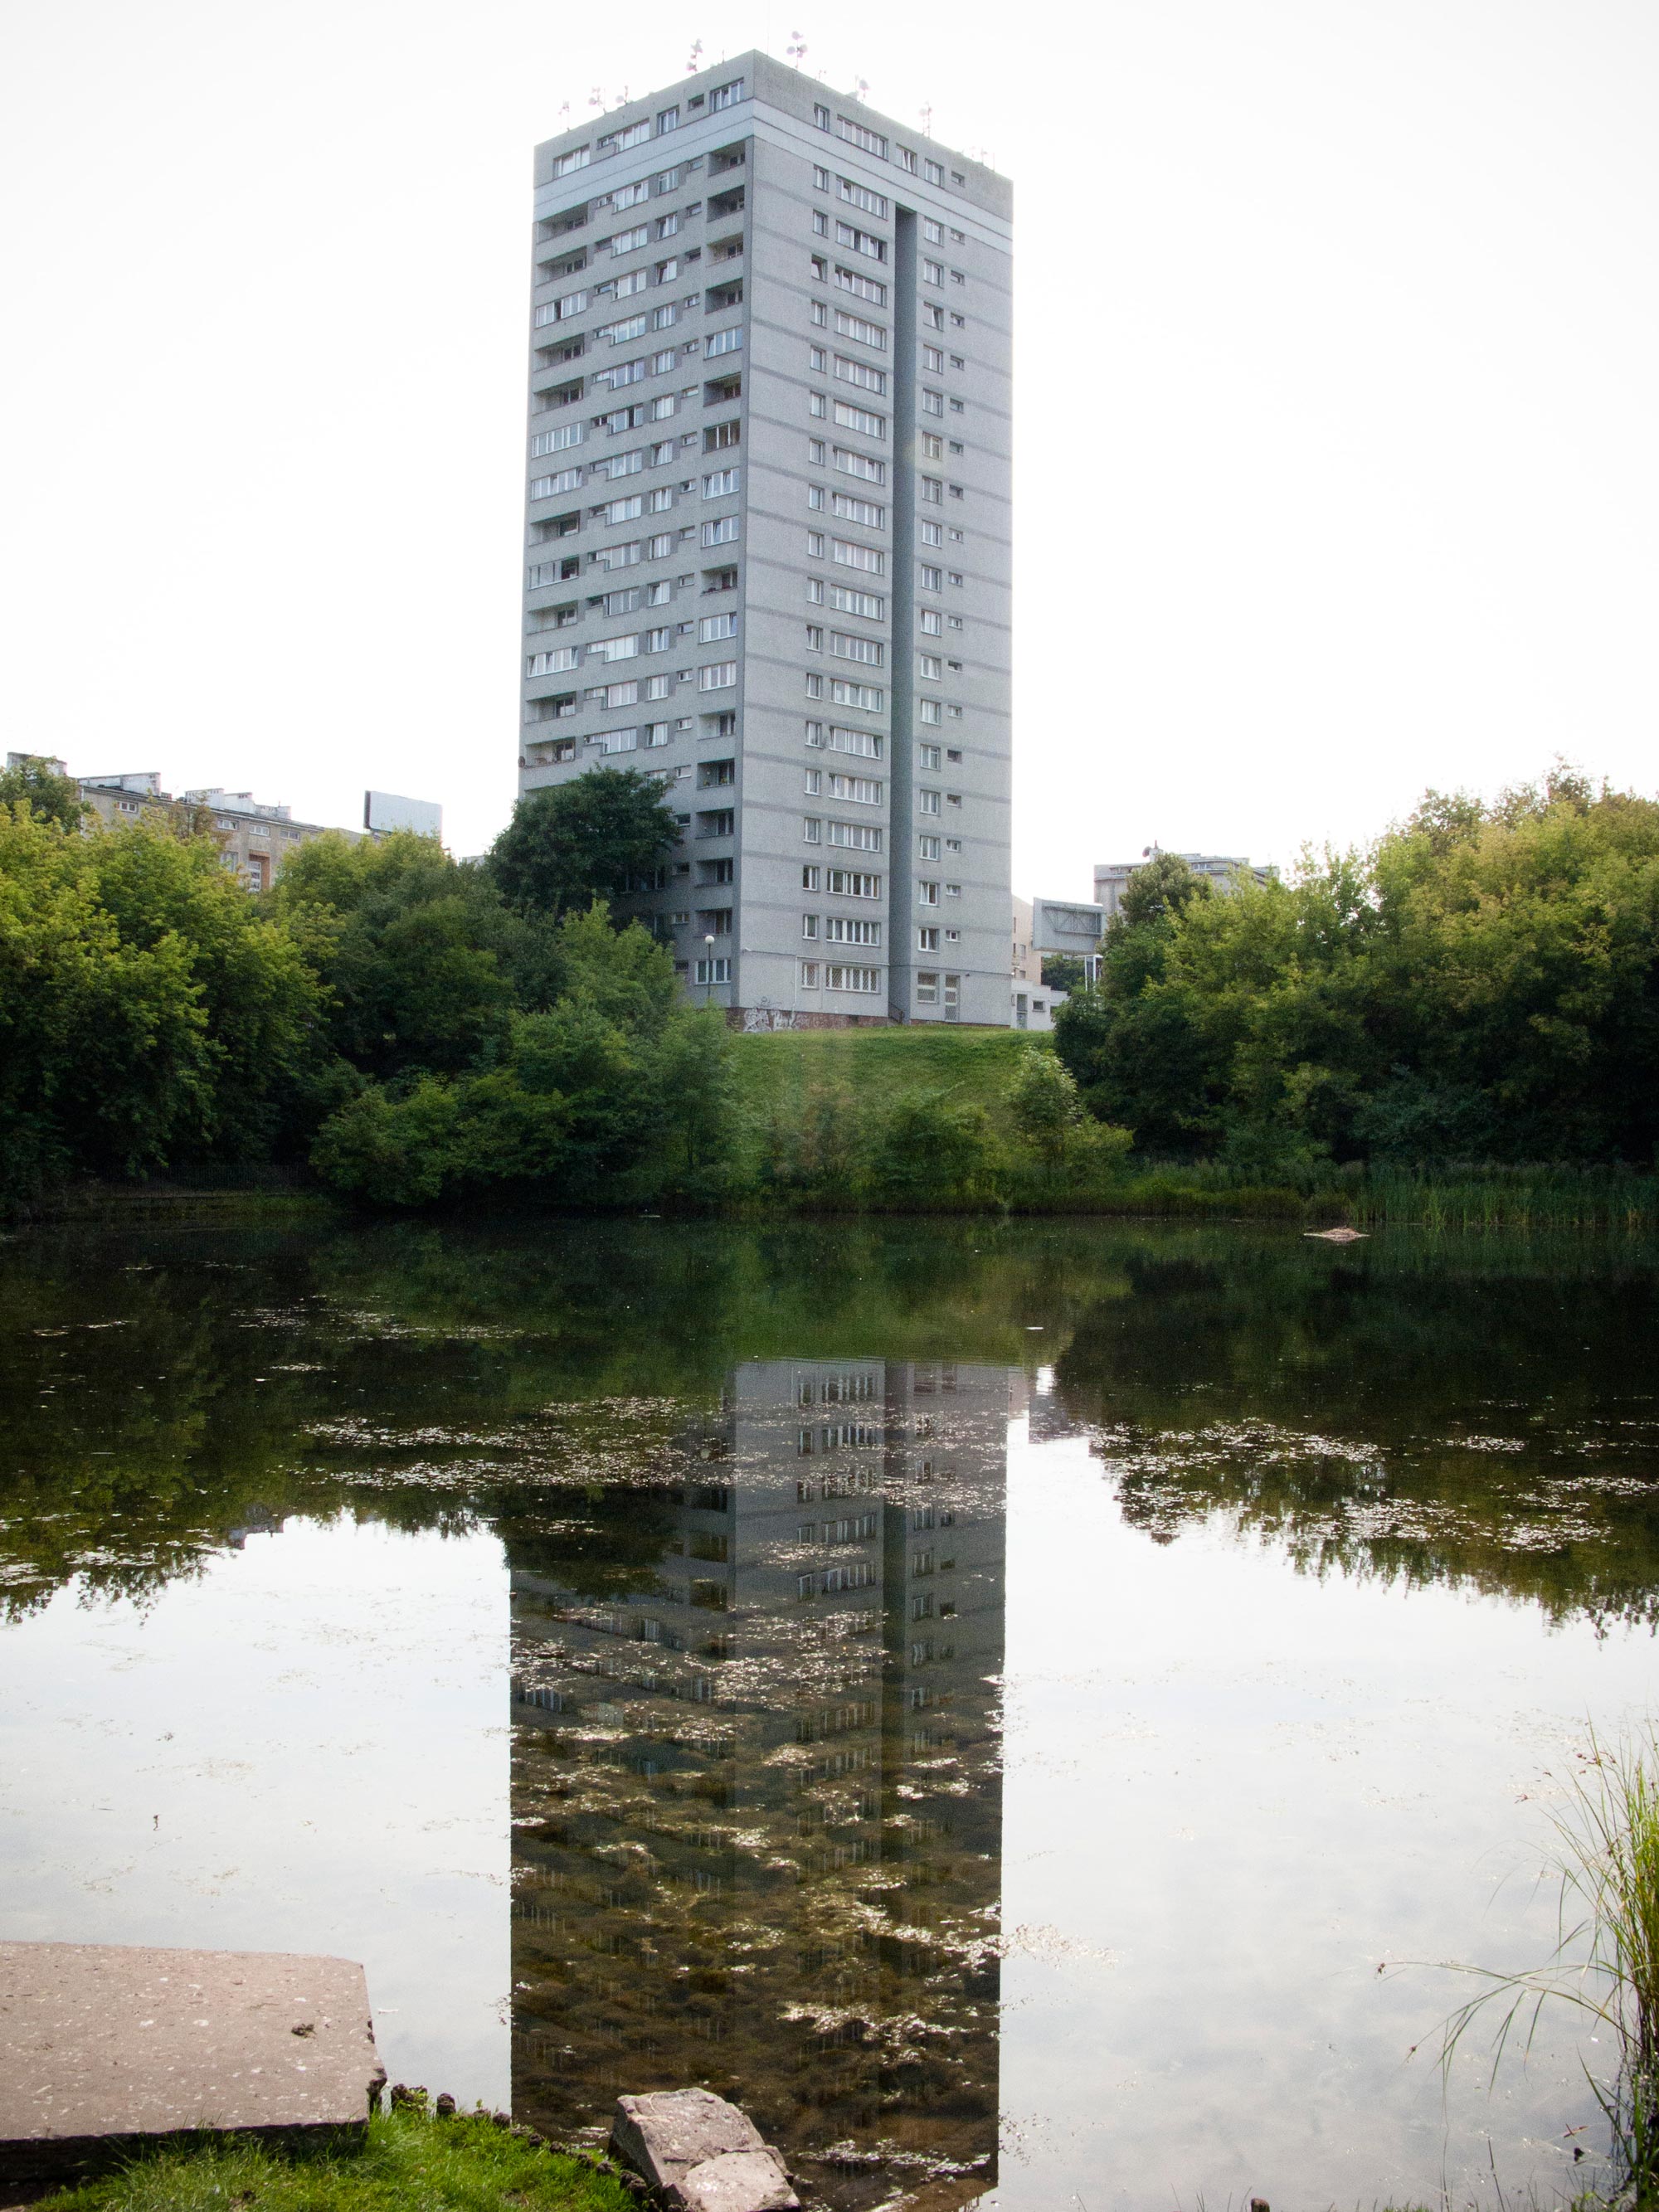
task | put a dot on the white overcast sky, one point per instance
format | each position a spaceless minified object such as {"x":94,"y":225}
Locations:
{"x":1337,"y":376}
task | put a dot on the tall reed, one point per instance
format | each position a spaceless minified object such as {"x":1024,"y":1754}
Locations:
{"x":1606,"y":1959}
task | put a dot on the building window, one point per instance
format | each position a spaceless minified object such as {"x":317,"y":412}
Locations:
{"x":927,"y":988}
{"x":857,"y":134}
{"x":713,"y":971}
{"x":849,"y":555}
{"x":821,"y":117}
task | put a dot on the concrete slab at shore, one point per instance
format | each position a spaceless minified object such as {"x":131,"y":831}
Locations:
{"x":104,"y":2048}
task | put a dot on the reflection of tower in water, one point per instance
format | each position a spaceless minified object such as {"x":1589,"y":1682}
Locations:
{"x":757,"y":1800}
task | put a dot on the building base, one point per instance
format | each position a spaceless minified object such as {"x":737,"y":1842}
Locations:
{"x":754,"y":1019}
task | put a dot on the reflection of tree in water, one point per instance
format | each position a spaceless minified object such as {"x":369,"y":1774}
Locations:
{"x":757,"y":1797}
{"x":158,"y":1391}
{"x":1492,"y":1418}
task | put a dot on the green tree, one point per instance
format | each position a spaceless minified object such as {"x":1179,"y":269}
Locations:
{"x":1158,"y":891}
{"x":691,"y":1073}
{"x":149,"y":1012}
{"x":422,"y":963}
{"x":1484,"y":983}
{"x":932,"y":1151}
{"x":592,"y":838}
{"x":1064,"y":971}
{"x":570,"y":1104}
{"x":1044,"y":1103}
{"x":49,"y":796}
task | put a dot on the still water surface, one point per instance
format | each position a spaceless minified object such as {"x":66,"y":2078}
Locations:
{"x":1021,"y":1708}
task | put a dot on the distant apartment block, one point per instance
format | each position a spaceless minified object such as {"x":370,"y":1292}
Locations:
{"x":768,"y":521}
{"x":254,"y":838}
{"x":1043,"y":928}
{"x":1112,"y":877}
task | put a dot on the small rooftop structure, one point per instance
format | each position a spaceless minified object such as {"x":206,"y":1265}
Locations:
{"x":235,"y":802}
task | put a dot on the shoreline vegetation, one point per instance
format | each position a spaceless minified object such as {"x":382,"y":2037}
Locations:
{"x":1459,"y":1028}
{"x":1481,"y":1197}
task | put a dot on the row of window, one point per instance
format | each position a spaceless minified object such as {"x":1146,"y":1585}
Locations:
{"x":859,"y":790}
{"x":840,"y":883}
{"x":847,"y":645}
{"x":841,"y":691}
{"x":852,"y":837}
{"x":831,"y":975}
{"x":854,"y":133}
{"x":554,"y":660}
{"x":846,"y":600}
{"x":722,"y":531}
{"x":848,"y":415}
{"x":640,"y":133}
{"x":555,"y":399}
{"x":842,"y":366}
{"x":840,"y":929}
{"x":868,"y":288}
{"x":845,"y":507}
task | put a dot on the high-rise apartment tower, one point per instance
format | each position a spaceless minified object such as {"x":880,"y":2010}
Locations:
{"x":768,"y":535}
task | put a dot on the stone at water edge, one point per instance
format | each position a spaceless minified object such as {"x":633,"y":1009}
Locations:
{"x":739,"y":2181}
{"x":703,"y":2153}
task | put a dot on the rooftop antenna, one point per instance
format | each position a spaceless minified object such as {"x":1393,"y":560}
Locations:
{"x":860,"y":87}
{"x":691,"y":64}
{"x":796,"y":49}
{"x":927,"y":121}
{"x":596,"y":98}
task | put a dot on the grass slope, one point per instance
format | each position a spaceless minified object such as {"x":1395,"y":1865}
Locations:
{"x":408,"y":2164}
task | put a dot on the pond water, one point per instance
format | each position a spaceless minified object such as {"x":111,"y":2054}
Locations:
{"x":1023,"y":1708}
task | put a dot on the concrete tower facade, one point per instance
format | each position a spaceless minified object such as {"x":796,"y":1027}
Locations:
{"x":768,"y":532}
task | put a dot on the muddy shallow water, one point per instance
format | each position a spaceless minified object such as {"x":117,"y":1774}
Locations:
{"x":1023,"y":1708}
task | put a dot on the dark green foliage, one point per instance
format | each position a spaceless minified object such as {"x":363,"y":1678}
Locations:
{"x":1064,"y":971}
{"x":421,"y":963}
{"x":593,"y":837}
{"x":616,"y":1076}
{"x":1483,"y":984}
{"x":935,"y":1150}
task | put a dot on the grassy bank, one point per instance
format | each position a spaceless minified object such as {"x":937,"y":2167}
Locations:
{"x":811,"y":1103}
{"x":408,"y":2164}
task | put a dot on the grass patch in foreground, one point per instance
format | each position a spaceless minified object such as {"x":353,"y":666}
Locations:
{"x":408,"y":2164}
